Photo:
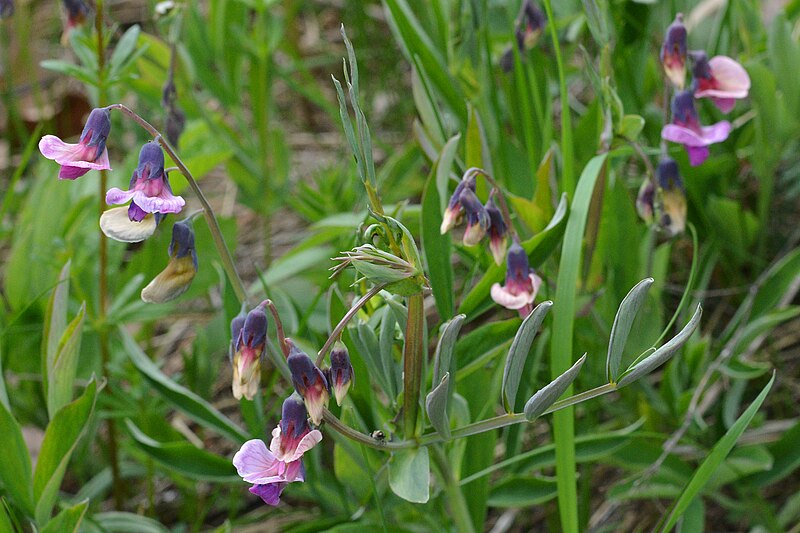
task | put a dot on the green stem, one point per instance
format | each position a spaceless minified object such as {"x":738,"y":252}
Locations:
{"x":458,"y":505}
{"x":412,"y":363}
{"x":337,"y":331}
{"x":208,"y":212}
{"x":567,"y":150}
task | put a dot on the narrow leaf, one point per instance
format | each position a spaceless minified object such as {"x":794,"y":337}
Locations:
{"x":436,"y":406}
{"x":663,"y":354}
{"x":68,"y":520}
{"x":119,"y":522}
{"x":15,"y":468}
{"x":518,"y":353}
{"x":55,"y":322}
{"x":447,"y":343}
{"x":436,"y":248}
{"x":547,"y":395}
{"x":626,"y":314}
{"x":709,"y":466}
{"x":61,"y":375}
{"x":409,"y":474}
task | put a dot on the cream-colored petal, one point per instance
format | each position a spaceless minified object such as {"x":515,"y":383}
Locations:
{"x":116,"y":225}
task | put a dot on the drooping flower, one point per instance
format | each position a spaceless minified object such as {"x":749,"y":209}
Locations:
{"x":176,"y":119}
{"x":149,"y":189}
{"x":673,"y":52}
{"x":176,"y":278}
{"x":455,"y":210}
{"x":522,"y":283}
{"x":271,"y":469}
{"x":686,"y":129}
{"x":672,"y":197}
{"x":89,"y":153}
{"x":117,"y":225}
{"x":248,"y":348}
{"x":308,"y":381}
{"x":498,"y":243}
{"x":477,"y":218}
{"x":6,"y":8}
{"x":340,"y":374}
{"x":76,"y":11}
{"x":720,"y":78}
{"x":530,"y":25}
{"x":645,"y":201}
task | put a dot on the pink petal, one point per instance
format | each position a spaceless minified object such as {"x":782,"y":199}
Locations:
{"x":71,"y":173}
{"x":165,"y":202}
{"x":536,"y":281}
{"x":275,"y":443}
{"x":116,"y":196}
{"x":724,"y":104}
{"x":697,"y":154}
{"x":294,"y":472}
{"x":730,"y":76}
{"x":680,"y":134}
{"x":716,"y":132}
{"x":503,"y":296}
{"x":255,"y":463}
{"x":54,"y":148}
{"x":306,"y":443}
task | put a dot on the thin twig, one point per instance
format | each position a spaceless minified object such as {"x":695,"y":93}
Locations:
{"x":337,"y":331}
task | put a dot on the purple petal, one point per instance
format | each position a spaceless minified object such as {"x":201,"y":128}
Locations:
{"x":71,"y":173}
{"x":165,"y":202}
{"x":697,"y":154}
{"x":724,"y":104}
{"x":716,"y":132}
{"x":116,"y":196}
{"x":682,"y":135}
{"x":270,"y":492}
{"x":136,"y":213}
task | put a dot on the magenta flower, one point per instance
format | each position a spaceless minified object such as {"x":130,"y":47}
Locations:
{"x":477,"y":218}
{"x":720,"y":78}
{"x":340,"y":374}
{"x":686,"y":129}
{"x":250,"y":338}
{"x":271,"y":469}
{"x":308,"y":381}
{"x":89,"y":154}
{"x":498,"y":243}
{"x":522,"y":283}
{"x":673,"y":52}
{"x":149,"y":190}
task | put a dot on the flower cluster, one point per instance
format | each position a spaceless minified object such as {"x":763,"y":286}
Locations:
{"x":720,"y":78}
{"x":481,"y":219}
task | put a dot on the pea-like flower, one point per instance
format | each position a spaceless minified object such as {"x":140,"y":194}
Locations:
{"x":498,"y":243}
{"x":271,"y":469}
{"x":455,"y":209}
{"x":645,"y":201}
{"x":177,"y":277}
{"x":248,"y":348}
{"x":686,"y":129}
{"x":720,"y":78}
{"x":89,"y":153}
{"x":149,"y":189}
{"x":673,"y":197}
{"x":117,"y":225}
{"x":308,"y":381}
{"x":522,"y":283}
{"x":477,"y":218}
{"x":340,"y":374}
{"x":673,"y":52}
{"x":530,"y":25}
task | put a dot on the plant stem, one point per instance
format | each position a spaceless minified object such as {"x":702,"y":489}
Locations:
{"x":102,"y":96}
{"x":337,"y":331}
{"x":412,"y":363}
{"x":504,"y":210}
{"x":208,"y":212}
{"x":458,"y":506}
{"x":279,"y":327}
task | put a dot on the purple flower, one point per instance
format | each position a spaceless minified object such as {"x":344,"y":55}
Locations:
{"x":455,"y":210}
{"x":673,"y":52}
{"x":89,"y":154}
{"x":720,"y":78}
{"x":6,"y":8}
{"x":340,"y":374}
{"x":271,"y":469}
{"x":686,"y":129}
{"x":498,"y":243}
{"x":308,"y":381}
{"x":149,"y":189}
{"x":527,"y":32}
{"x":477,"y":218}
{"x":77,"y":11}
{"x":672,"y":196}
{"x":522,"y":283}
{"x":248,"y":348}
{"x":176,"y":278}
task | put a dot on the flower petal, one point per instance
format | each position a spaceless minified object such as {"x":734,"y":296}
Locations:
{"x":269,"y":492}
{"x":294,"y":472}
{"x":116,"y":225}
{"x":716,"y":132}
{"x":165,"y":202}
{"x":54,"y":148}
{"x":680,"y":134}
{"x":730,"y":76}
{"x":71,"y":173}
{"x":116,"y":196}
{"x":255,"y":463}
{"x":306,"y":443}
{"x":504,"y":297}
{"x":171,"y":282}
{"x":697,"y":154}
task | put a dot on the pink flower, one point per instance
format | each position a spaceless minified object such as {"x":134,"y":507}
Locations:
{"x":308,"y":381}
{"x":720,"y":78}
{"x":498,"y":243}
{"x":89,"y":154}
{"x":686,"y":129}
{"x":271,"y":469}
{"x":249,"y":337}
{"x":149,"y":189}
{"x":522,"y":283}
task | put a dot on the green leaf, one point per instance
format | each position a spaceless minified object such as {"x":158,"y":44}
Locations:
{"x":119,"y":522}
{"x":60,"y":439}
{"x":68,"y":520}
{"x":61,"y":372}
{"x":522,"y":491}
{"x":436,"y":407}
{"x":409,"y":474}
{"x":125,"y":47}
{"x":518,"y":353}
{"x":437,"y":249}
{"x":787,"y":459}
{"x":548,"y":394}
{"x":62,"y":67}
{"x":15,"y":468}
{"x":714,"y":459}
{"x":538,"y":248}
{"x":623,"y":322}
{"x":444,"y":168}
{"x":663,"y":354}
{"x":631,"y":127}
{"x":55,"y":322}
{"x":186,"y":459}
{"x":444,"y":349}
{"x":187,"y":401}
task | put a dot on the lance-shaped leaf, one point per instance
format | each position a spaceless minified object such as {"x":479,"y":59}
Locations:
{"x":55,"y":322}
{"x":15,"y":468}
{"x":547,"y":395}
{"x":61,"y":368}
{"x":518,"y":352}
{"x":447,"y":343}
{"x":626,"y":314}
{"x":410,"y":474}
{"x":436,"y":406}
{"x":68,"y":520}
{"x":663,"y":354}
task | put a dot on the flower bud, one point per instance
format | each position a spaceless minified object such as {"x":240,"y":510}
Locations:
{"x":249,"y":348}
{"x":177,"y":277}
{"x":477,"y":218}
{"x":308,"y":381}
{"x":340,"y":373}
{"x":498,"y":243}
{"x":645,"y":200}
{"x":452,"y":215}
{"x":673,"y":52}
